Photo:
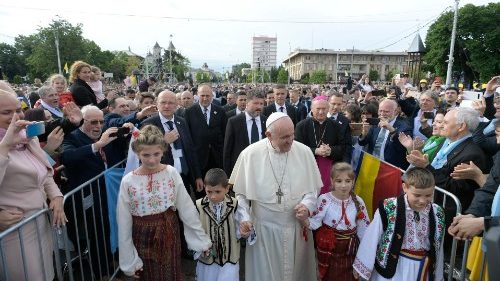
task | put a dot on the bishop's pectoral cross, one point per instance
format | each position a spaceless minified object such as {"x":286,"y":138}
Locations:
{"x":280,"y":194}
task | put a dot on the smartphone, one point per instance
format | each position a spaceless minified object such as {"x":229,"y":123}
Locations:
{"x":379,"y":93}
{"x":122,"y":132}
{"x":373,"y":121}
{"x":429,"y":115}
{"x":35,"y":129}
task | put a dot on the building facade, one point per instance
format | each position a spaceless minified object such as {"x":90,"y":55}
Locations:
{"x":264,"y":52}
{"x":337,"y":63}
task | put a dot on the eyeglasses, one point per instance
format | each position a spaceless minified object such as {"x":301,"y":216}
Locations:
{"x":95,"y":122}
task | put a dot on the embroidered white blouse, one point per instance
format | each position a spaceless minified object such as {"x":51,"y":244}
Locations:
{"x":416,"y":238}
{"x":340,"y":214}
{"x":142,"y":195}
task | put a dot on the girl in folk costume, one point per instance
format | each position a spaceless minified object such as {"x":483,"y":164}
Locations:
{"x":148,"y":227}
{"x":340,"y":220}
{"x":403,"y":242}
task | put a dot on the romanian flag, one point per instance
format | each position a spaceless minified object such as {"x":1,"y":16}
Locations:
{"x":376,"y":181}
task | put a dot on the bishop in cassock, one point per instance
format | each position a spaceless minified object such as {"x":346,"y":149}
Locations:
{"x":280,"y":178}
{"x":323,"y":136}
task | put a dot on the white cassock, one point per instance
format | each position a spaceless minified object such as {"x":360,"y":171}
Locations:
{"x":281,"y":252}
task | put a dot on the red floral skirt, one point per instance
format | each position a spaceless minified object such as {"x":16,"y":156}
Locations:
{"x":335,"y":251}
{"x":156,"y":238}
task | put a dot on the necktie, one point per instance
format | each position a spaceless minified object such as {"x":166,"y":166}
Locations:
{"x":281,"y":108}
{"x":378,"y":143}
{"x":205,"y":113}
{"x":254,"y":134}
{"x":170,"y":125}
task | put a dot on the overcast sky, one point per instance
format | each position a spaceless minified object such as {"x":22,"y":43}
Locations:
{"x":220,"y":32}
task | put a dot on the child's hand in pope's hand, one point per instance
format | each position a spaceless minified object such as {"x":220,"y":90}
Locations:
{"x":301,"y":212}
{"x":245,"y":228}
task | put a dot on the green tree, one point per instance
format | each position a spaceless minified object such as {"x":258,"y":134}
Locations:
{"x":236,"y":71}
{"x":304,"y":79}
{"x":273,"y":73}
{"x":282,"y":76}
{"x":118,"y":66}
{"x":39,"y":50}
{"x":180,"y":64}
{"x":11,"y":62}
{"x":390,"y":74}
{"x":318,"y":77}
{"x":203,"y":77}
{"x":476,"y":51}
{"x":374,"y":75}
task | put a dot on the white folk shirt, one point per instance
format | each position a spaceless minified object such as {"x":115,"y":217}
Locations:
{"x":142,"y":195}
{"x":329,"y":212}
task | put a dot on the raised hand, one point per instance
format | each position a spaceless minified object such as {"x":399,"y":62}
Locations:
{"x":73,"y":113}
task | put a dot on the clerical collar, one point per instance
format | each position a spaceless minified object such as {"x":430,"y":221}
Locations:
{"x":319,"y":122}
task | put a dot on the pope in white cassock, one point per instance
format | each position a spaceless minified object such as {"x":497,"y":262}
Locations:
{"x":280,"y":178}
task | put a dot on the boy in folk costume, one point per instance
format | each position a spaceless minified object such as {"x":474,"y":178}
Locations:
{"x":340,"y":220}
{"x":403,"y":242}
{"x":220,"y":217}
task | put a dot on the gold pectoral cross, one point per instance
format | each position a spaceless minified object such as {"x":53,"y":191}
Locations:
{"x":280,"y":194}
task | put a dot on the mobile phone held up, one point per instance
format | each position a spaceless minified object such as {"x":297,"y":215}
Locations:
{"x":121,"y":133}
{"x":429,"y":115}
{"x":373,"y":121}
{"x":35,"y":129}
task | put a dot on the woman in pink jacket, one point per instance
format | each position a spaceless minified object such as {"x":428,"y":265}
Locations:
{"x":25,"y":185}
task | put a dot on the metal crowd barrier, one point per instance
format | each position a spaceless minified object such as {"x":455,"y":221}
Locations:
{"x":22,"y":250}
{"x":80,"y":250}
{"x":85,"y":239}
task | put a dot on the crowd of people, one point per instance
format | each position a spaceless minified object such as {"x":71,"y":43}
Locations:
{"x":268,"y":167}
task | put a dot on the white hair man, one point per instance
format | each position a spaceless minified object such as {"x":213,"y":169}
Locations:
{"x":280,"y":178}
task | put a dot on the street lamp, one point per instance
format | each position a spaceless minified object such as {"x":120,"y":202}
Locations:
{"x":452,"y":45}
{"x":170,"y":58}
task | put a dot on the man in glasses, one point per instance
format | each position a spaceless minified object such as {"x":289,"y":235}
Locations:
{"x":87,"y":153}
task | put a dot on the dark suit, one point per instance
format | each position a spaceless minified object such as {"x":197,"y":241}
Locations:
{"x":464,"y":189}
{"x":487,"y":142}
{"x":232,"y":113}
{"x":208,"y":139}
{"x":345,"y":131}
{"x":394,"y":151}
{"x":228,"y":107}
{"x":308,"y":132}
{"x":236,"y":139}
{"x":82,"y":164}
{"x":290,"y":111}
{"x":483,"y":197}
{"x":180,"y":112}
{"x":193,"y":171}
{"x":301,"y":111}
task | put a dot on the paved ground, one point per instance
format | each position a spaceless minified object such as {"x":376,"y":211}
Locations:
{"x":189,"y":268}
